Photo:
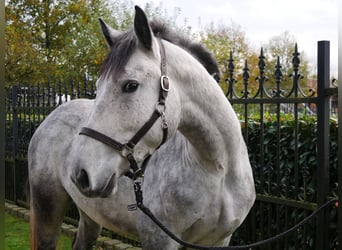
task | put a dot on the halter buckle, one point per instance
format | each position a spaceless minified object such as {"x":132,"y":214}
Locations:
{"x":162,"y":83}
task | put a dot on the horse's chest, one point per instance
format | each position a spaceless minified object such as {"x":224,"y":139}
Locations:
{"x":208,"y":222}
{"x":194,"y":202}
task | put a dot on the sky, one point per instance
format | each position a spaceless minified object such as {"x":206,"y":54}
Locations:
{"x":308,"y":21}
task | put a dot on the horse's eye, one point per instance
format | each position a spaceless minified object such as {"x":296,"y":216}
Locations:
{"x":130,"y":86}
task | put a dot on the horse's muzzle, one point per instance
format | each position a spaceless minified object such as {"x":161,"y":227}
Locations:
{"x":82,"y":182}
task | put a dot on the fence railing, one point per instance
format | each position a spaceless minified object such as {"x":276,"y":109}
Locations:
{"x":289,"y":185}
{"x":26,"y":107}
{"x":293,"y":175}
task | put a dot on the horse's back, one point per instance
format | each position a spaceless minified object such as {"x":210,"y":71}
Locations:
{"x":52,"y":139}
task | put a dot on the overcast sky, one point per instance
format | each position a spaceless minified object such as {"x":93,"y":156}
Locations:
{"x":308,"y":20}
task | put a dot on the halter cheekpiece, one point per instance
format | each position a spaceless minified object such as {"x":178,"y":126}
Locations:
{"x":127,"y":149}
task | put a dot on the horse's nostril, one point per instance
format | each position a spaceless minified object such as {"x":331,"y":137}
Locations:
{"x":86,"y":187}
{"x":83,"y":180}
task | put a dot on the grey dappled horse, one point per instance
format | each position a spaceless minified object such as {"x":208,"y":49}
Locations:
{"x":198,"y":183}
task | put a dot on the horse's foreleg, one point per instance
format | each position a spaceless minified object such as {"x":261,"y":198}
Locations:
{"x":87,"y":233}
{"x":48,"y":204}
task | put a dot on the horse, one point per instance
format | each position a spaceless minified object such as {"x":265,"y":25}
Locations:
{"x":157,"y":105}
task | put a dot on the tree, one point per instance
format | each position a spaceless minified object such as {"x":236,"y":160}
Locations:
{"x":19,"y":50}
{"x":49,"y":38}
{"x":62,"y":39}
{"x":222,"y":40}
{"x":124,"y":12}
{"x":86,"y":49}
{"x":283,"y":46}
{"x":39,"y":33}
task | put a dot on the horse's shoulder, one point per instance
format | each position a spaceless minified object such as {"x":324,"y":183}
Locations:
{"x":71,"y":110}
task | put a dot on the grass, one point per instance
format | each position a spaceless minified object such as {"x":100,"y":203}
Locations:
{"x":17,"y":235}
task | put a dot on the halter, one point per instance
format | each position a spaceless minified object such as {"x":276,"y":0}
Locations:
{"x":127,"y":149}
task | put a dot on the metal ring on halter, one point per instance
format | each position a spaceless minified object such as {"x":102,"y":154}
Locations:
{"x":160,"y":108}
{"x":126,"y":150}
{"x":166,"y":89}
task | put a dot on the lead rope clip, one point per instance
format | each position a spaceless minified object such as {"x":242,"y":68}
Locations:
{"x":138,"y":195}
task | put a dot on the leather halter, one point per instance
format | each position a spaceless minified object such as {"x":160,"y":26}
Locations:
{"x":127,"y":149}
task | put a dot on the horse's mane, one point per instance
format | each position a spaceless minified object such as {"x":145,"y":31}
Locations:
{"x":196,"y":49}
{"x":124,"y":45}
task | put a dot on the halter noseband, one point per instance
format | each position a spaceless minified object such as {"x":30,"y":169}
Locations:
{"x":127,"y":149}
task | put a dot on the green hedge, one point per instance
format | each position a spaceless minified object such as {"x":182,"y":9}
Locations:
{"x":294,"y":183}
{"x":284,"y":179}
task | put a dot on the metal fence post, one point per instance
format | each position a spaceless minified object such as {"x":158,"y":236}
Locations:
{"x":15,"y":137}
{"x":339,"y":239}
{"x":323,"y":117}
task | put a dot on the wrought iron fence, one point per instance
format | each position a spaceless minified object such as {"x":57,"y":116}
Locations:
{"x":26,"y":107}
{"x":291,"y":179}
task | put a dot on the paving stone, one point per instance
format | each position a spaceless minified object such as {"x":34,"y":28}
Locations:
{"x":122,"y":246}
{"x":109,"y":245}
{"x":66,"y":227}
{"x":20,"y":212}
{"x":9,"y":206}
{"x":101,"y":240}
{"x":27,"y":215}
{"x":71,"y":232}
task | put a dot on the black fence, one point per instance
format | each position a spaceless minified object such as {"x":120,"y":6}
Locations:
{"x":291,"y":137}
{"x":293,"y":152}
{"x":26,"y":107}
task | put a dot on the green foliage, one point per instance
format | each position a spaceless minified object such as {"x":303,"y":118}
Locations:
{"x":62,"y":39}
{"x":283,"y":45}
{"x":297,"y":168}
{"x":52,"y":38}
{"x":222,"y":40}
{"x":123,"y":13}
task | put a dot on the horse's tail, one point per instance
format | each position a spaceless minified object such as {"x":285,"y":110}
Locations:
{"x":33,"y":230}
{"x":33,"y":227}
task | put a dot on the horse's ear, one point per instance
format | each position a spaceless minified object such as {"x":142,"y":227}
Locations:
{"x":109,"y":33}
{"x":142,"y":28}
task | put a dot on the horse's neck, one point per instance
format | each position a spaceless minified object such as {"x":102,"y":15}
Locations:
{"x":208,"y":120}
{"x":207,"y":126}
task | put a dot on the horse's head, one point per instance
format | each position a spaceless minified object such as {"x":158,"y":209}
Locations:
{"x":129,"y":92}
{"x":132,"y":95}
